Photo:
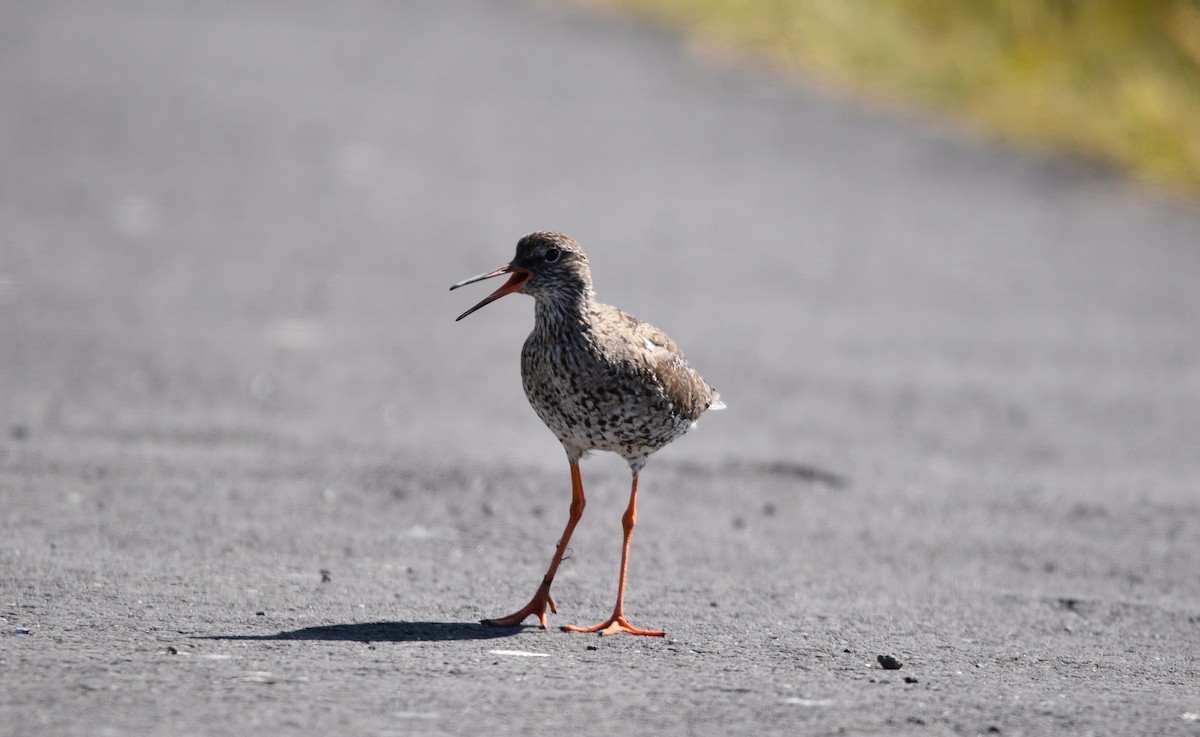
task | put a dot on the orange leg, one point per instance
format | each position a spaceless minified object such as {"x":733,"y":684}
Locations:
{"x":617,"y":622}
{"x":542,"y":599}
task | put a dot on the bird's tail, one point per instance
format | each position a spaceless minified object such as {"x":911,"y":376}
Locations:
{"x":715,"y":402}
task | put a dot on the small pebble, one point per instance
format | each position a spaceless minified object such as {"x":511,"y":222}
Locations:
{"x":260,"y":614}
{"x":910,"y":679}
{"x":887,"y":662}
{"x":21,"y":631}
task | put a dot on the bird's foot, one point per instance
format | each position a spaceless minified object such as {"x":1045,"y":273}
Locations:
{"x":537,"y":605}
{"x":617,"y":624}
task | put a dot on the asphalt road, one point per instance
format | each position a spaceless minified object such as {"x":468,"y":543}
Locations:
{"x":254,"y":479}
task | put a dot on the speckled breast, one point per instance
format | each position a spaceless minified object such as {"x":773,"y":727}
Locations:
{"x":593,"y":402}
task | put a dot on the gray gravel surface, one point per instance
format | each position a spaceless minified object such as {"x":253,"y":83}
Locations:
{"x":255,"y":480}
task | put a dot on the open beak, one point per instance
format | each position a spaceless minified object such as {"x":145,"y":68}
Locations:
{"x":513,"y":284}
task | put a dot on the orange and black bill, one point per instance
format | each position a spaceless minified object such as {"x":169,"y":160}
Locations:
{"x":513,"y":284}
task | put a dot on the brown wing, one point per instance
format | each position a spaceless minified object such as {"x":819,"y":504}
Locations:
{"x":688,"y":393}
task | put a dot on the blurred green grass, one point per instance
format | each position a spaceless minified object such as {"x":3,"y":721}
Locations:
{"x":1117,"y":80}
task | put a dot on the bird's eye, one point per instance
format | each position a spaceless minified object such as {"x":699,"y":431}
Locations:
{"x":552,"y":255}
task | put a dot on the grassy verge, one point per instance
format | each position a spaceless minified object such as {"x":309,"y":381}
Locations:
{"x":1115,"y":79}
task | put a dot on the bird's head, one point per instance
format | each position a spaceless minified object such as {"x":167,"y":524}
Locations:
{"x":548,"y":266}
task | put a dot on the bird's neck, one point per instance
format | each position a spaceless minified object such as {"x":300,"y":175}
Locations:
{"x":565,"y":311}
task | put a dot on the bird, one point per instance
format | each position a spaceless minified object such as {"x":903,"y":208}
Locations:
{"x":601,"y":380}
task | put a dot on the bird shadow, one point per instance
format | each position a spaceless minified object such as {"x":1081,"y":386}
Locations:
{"x":385,"y":632}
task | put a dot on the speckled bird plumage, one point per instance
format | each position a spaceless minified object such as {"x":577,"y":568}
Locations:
{"x":600,"y":379}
